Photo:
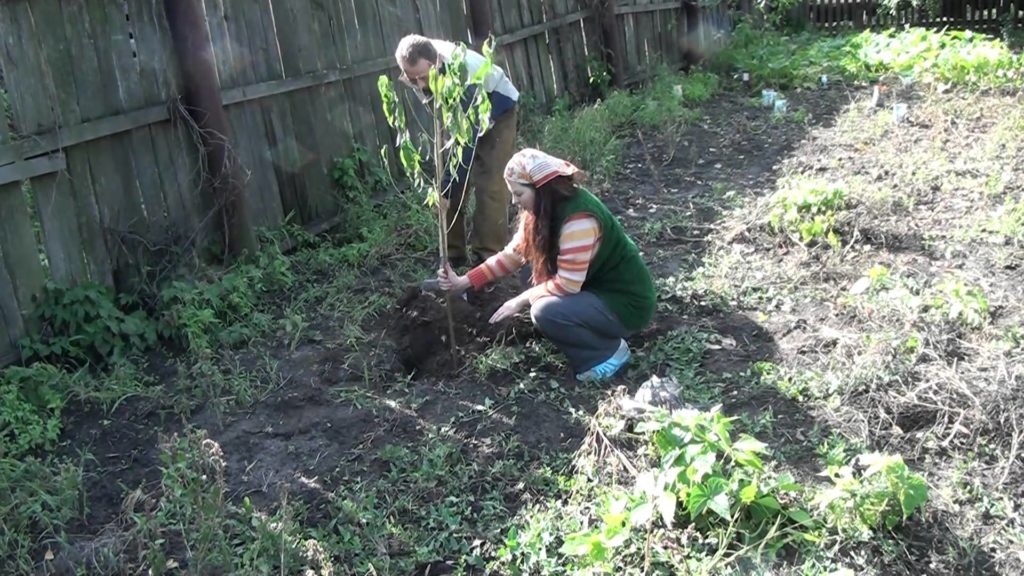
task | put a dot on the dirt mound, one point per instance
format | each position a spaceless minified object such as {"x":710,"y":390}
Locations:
{"x":418,"y":327}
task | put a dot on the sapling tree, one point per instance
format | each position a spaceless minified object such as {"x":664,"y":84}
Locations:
{"x":461,"y":111}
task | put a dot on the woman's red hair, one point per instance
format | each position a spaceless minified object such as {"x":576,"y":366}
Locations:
{"x":539,"y":248}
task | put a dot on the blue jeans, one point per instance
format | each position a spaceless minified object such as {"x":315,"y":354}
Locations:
{"x":581,"y":326}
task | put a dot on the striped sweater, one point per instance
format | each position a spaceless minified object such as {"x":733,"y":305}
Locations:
{"x":578,"y":242}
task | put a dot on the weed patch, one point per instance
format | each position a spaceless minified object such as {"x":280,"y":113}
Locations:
{"x":806,"y":211}
{"x":38,"y":498}
{"x":31,"y":401}
{"x":948,"y":57}
{"x":593,"y":136}
{"x":88,"y":324}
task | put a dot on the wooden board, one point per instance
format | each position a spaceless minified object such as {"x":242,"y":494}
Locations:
{"x":369,"y":39}
{"x":507,"y":20}
{"x":536,"y":66}
{"x":20,"y":251}
{"x":627,"y":22}
{"x":249,"y":138}
{"x":57,"y":221}
{"x":146,"y":170}
{"x":55,"y":207}
{"x":277,"y":117}
{"x":334,"y":101}
{"x":11,"y":326}
{"x":29,"y":94}
{"x":533,"y":14}
{"x":110,"y":160}
{"x":298,"y":56}
{"x":570,"y":38}
{"x":645,"y":34}
{"x":266,"y":186}
{"x":156,"y":66}
{"x":560,"y":56}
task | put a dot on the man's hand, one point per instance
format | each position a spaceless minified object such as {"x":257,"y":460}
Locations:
{"x":510,"y":308}
{"x":451,"y":282}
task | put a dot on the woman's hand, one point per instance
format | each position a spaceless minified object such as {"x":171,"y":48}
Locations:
{"x":510,"y":308}
{"x":451,"y":282}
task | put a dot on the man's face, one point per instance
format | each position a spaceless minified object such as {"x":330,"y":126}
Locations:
{"x":418,"y":75}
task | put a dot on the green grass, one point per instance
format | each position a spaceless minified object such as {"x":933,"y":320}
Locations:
{"x":593,"y":136}
{"x":38,"y":498}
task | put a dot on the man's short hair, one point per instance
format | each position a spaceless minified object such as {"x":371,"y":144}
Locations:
{"x":413,"y":48}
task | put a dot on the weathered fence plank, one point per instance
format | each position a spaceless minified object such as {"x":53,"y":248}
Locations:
{"x":507,"y":19}
{"x":84,"y":80}
{"x":11,"y":326}
{"x":179,"y":185}
{"x":20,"y":251}
{"x":533,"y":15}
{"x":111,"y":159}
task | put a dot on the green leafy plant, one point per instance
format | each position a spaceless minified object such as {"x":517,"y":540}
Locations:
{"x":592,"y":135}
{"x":31,"y":401}
{"x":224,"y":309}
{"x":877,"y":491}
{"x":806,"y":210}
{"x":373,"y":225}
{"x":952,"y":57}
{"x":795,"y":384}
{"x":959,"y":302}
{"x":88,"y":324}
{"x":881,"y":278}
{"x":703,"y":477}
{"x":358,"y":174}
{"x":599,"y":77}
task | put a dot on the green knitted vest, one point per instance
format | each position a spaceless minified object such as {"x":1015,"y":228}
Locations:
{"x":617,"y":274}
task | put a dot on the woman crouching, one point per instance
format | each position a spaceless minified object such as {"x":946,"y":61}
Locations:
{"x":590,"y":287}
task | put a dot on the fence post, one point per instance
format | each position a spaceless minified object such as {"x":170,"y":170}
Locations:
{"x":201,"y":87}
{"x":611,"y":41}
{"x":481,"y":24}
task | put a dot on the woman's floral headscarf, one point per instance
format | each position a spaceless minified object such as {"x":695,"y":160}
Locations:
{"x":531,"y":166}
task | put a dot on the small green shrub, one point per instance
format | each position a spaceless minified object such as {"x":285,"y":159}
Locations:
{"x":31,"y":401}
{"x":706,"y":478}
{"x":795,"y":384}
{"x":880,"y":491}
{"x":806,"y":210}
{"x":586,"y":137}
{"x":88,"y":324}
{"x":225,"y":309}
{"x":961,"y":303}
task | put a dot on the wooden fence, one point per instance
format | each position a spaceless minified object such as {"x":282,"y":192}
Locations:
{"x":981,"y":15}
{"x":101,"y":172}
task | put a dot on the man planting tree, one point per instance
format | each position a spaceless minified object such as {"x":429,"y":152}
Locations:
{"x":482,"y":162}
